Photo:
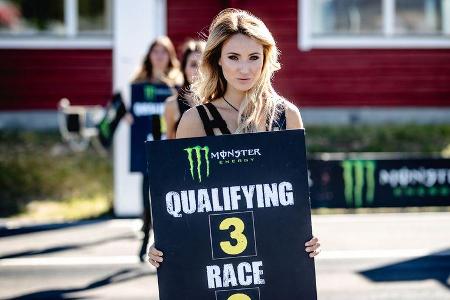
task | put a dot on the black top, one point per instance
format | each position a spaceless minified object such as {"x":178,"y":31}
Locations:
{"x":218,"y":122}
{"x":183,"y":106}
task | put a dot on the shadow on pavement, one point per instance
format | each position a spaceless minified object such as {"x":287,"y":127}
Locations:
{"x":118,"y":277}
{"x":69,"y":247}
{"x":434,"y":266}
{"x":5,"y":231}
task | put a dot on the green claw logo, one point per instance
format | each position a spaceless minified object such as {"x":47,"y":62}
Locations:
{"x":359,"y":177}
{"x":197,"y":151}
{"x":149,"y":92}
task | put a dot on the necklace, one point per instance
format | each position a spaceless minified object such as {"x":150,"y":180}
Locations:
{"x":230,"y":104}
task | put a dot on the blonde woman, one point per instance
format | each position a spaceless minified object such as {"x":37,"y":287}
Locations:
{"x":178,"y":104}
{"x":234,"y":89}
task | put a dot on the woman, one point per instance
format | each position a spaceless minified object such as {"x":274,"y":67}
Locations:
{"x":160,"y":66}
{"x":235,"y":90}
{"x":177,"y":105}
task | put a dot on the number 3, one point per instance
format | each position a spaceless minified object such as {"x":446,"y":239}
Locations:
{"x":239,"y":297}
{"x":237,"y":235}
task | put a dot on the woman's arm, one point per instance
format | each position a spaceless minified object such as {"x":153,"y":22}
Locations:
{"x":294,"y":121}
{"x":171,"y":114}
{"x":293,"y":117}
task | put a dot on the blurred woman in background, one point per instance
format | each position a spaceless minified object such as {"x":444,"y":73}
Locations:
{"x":178,"y":104}
{"x":160,"y":66}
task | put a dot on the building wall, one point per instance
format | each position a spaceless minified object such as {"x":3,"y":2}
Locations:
{"x":327,"y":77}
{"x":38,"y":79}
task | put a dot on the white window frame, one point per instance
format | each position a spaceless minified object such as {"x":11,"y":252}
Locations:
{"x":306,"y":40}
{"x":69,"y":41}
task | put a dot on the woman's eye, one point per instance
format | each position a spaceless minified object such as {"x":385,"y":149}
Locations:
{"x":254,"y":57}
{"x":233,"y":57}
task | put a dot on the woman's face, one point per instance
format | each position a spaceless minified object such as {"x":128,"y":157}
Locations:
{"x":241,"y":60}
{"x":191,"y":68}
{"x":159,"y":57}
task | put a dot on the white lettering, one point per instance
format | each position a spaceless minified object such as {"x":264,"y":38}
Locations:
{"x":213,"y":274}
{"x":173,"y":204}
{"x":235,"y":197}
{"x":248,"y":194}
{"x":271,"y":195}
{"x":247,"y":274}
{"x":203,"y":201}
{"x":285,"y":193}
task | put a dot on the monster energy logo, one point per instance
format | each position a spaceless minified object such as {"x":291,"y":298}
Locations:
{"x":359,"y":177}
{"x":197,"y":151}
{"x":149,"y":92}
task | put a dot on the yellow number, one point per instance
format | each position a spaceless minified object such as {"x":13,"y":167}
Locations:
{"x":239,"y":297}
{"x":235,"y":234}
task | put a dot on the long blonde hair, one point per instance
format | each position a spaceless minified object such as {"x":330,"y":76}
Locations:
{"x":259,"y":107}
{"x":172,"y":74}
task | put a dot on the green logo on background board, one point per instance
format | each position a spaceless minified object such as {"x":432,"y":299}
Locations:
{"x":105,"y":131}
{"x":359,"y":182}
{"x":195,"y":156}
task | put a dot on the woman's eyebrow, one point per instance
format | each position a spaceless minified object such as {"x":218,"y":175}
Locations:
{"x":237,"y":54}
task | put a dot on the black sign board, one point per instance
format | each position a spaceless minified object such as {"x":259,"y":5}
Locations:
{"x":232,"y":214}
{"x":114,"y":112}
{"x":147,"y":107}
{"x":395,"y":182}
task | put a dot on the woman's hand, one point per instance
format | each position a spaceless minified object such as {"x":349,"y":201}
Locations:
{"x":313,"y":247}
{"x":154,"y":256}
{"x":129,"y":118}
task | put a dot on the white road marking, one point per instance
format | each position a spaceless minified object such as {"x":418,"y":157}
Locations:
{"x":131,"y":259}
{"x":382,"y":217}
{"x":367,"y":254}
{"x":71,"y":261}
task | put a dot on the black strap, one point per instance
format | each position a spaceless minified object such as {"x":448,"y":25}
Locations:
{"x":205,"y":120}
{"x":216,"y":122}
{"x":183,"y":106}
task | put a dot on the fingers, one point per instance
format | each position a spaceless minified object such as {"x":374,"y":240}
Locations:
{"x":155,"y":251}
{"x":153,"y":263}
{"x":312,"y":241}
{"x":155,"y":256}
{"x":316,"y":252}
{"x":313,"y":247}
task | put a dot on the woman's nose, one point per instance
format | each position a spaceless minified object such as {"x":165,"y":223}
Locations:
{"x":244,"y":68}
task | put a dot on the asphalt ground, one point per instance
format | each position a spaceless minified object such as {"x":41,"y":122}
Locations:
{"x":378,"y":256}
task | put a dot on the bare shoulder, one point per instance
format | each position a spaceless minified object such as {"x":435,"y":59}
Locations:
{"x":293,"y":116}
{"x":171,"y":102}
{"x":190,"y":125}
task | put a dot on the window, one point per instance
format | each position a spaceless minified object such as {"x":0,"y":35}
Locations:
{"x":94,"y":16}
{"x":347,"y":17}
{"x":32,"y":17}
{"x":55,"y":18}
{"x":418,"y":17}
{"x":374,"y":23}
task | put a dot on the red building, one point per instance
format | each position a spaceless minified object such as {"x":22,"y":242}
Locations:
{"x":385,"y":53}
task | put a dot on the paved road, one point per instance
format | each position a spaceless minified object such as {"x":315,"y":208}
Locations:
{"x":382,"y":256}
